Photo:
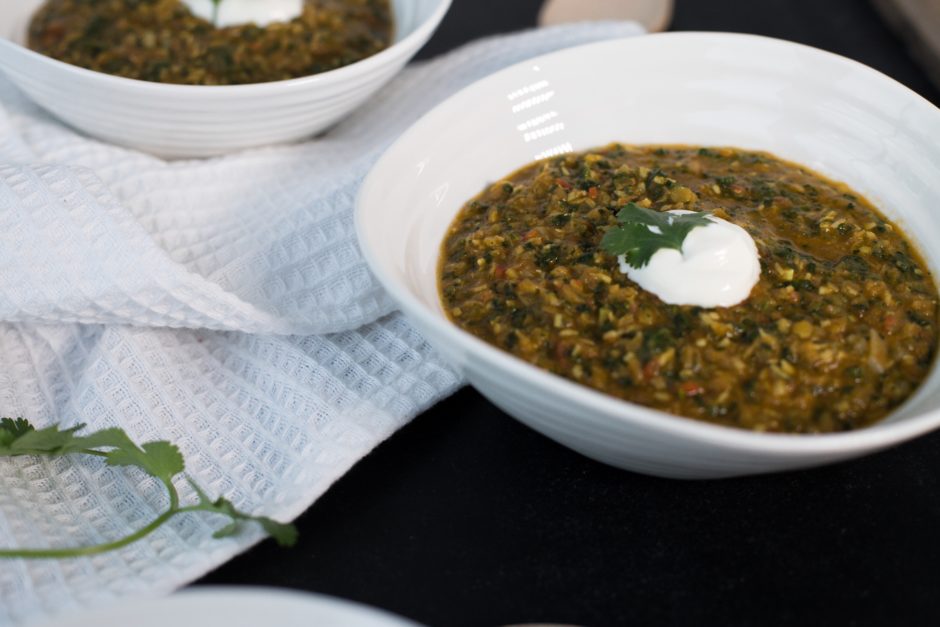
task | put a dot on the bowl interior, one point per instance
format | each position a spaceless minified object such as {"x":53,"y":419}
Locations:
{"x":831,"y":114}
{"x":15,"y":17}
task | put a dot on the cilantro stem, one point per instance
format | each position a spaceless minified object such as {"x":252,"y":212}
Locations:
{"x":96,"y":549}
{"x":172,"y":493}
{"x":160,"y":460}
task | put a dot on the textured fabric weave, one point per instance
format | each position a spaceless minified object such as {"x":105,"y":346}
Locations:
{"x":221,"y":304}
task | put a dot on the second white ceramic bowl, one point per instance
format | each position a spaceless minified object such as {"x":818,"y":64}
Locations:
{"x":830,"y":113}
{"x":201,"y":121}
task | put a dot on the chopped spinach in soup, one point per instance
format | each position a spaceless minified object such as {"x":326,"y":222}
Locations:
{"x":840,"y":329}
{"x":162,"y":41}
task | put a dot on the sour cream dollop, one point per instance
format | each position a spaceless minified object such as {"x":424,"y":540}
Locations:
{"x":718,"y":267}
{"x":235,"y":12}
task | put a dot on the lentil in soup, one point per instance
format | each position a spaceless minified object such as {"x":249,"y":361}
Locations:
{"x":162,"y":41}
{"x":840,"y":329}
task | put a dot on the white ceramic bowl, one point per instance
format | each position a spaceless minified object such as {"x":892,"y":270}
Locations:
{"x":830,"y":113}
{"x":199,"y":121}
{"x":233,"y":606}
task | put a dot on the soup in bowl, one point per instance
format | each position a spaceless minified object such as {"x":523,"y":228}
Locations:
{"x":198,"y":120}
{"x":840,"y":121}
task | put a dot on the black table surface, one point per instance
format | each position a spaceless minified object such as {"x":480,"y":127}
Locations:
{"x":465,"y":517}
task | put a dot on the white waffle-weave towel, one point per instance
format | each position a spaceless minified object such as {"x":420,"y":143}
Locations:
{"x":221,"y":304}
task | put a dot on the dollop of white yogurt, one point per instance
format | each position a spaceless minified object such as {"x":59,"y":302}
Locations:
{"x":718,"y":267}
{"x":235,"y":12}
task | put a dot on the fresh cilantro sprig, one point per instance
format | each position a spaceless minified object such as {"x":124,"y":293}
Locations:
{"x":160,"y":460}
{"x":642,"y":232}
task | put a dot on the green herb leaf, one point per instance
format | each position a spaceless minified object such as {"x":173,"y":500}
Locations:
{"x":636,"y":239}
{"x":161,"y":460}
{"x":11,"y":430}
{"x":284,"y":534}
{"x":158,"y":459}
{"x":24,"y":439}
{"x":227,"y":531}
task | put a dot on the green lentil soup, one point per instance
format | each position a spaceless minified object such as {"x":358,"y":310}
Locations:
{"x":162,"y":41}
{"x":840,"y":329}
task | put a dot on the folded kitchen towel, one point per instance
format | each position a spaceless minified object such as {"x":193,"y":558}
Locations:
{"x":221,"y":304}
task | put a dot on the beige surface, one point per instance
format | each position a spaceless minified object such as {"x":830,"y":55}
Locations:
{"x":654,"y":15}
{"x":918,"y":22}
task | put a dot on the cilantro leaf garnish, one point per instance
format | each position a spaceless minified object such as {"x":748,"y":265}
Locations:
{"x":11,"y":430}
{"x":642,"y":232}
{"x":160,"y":460}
